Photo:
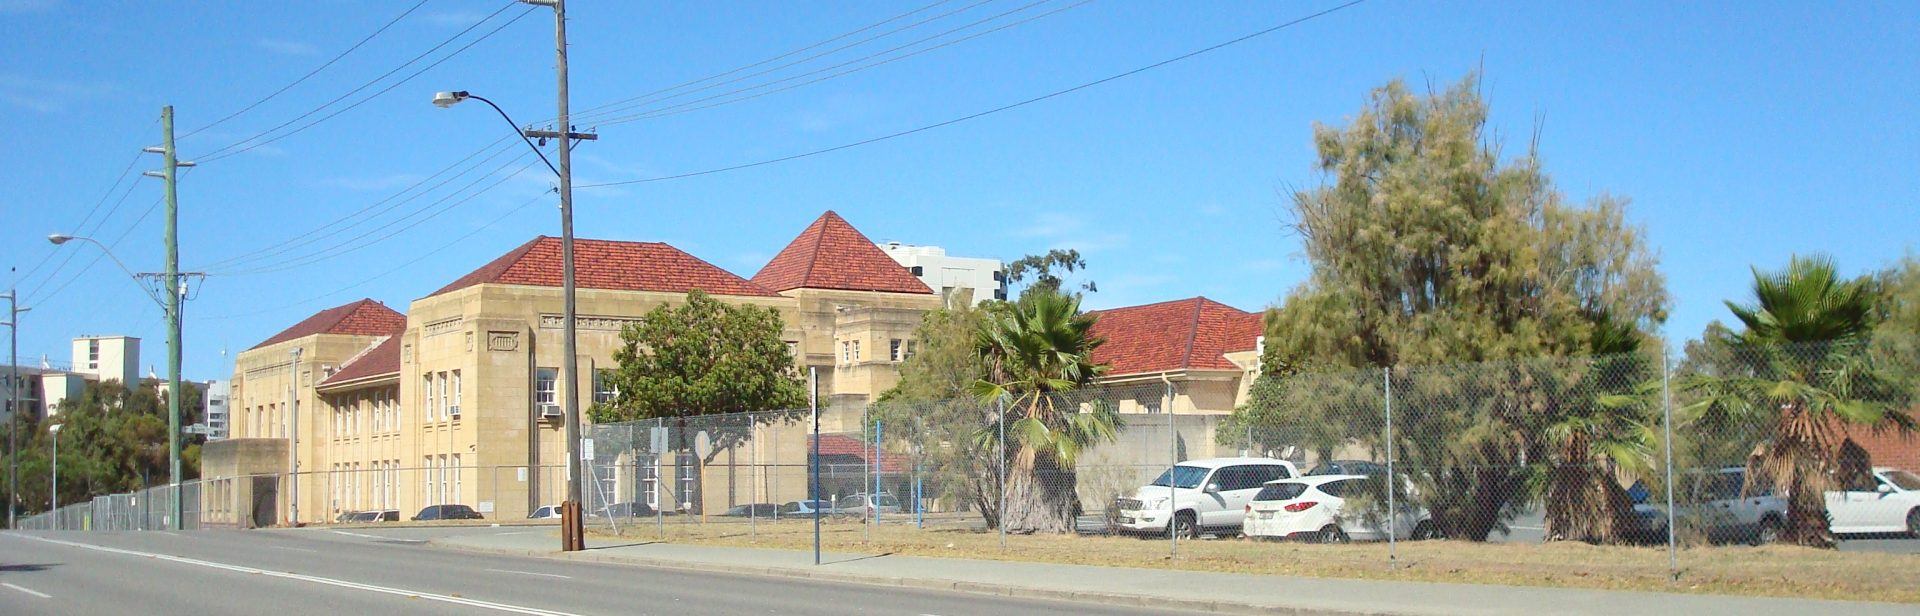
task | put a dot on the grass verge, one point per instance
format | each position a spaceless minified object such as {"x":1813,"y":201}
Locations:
{"x":1777,"y":571}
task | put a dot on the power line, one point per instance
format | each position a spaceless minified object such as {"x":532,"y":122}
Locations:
{"x":319,"y":233}
{"x":692,"y":105}
{"x":84,"y":231}
{"x":988,"y":112}
{"x":390,"y":271}
{"x":101,"y":254}
{"x":250,"y":143}
{"x":310,"y":74}
{"x":343,"y":247}
{"x":90,"y":212}
{"x":843,"y":35}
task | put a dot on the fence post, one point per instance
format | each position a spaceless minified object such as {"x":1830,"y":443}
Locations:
{"x":659,"y":505}
{"x":813,"y":469}
{"x":1666,"y":422}
{"x":1173,"y":460}
{"x":1001,"y":405}
{"x":873,"y":496}
{"x":1393,"y":512}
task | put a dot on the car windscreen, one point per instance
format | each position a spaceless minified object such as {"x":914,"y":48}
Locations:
{"x":1907,"y":481}
{"x":1281,"y":491}
{"x":1181,"y":477}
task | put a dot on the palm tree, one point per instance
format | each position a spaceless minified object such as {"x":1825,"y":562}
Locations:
{"x":1036,"y":350}
{"x":1601,"y":427}
{"x":1804,"y":375}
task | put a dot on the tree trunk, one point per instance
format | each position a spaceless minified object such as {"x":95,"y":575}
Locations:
{"x":1041,"y":499}
{"x":1584,"y":502}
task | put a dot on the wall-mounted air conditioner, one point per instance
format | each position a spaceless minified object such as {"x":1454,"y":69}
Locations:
{"x":549,"y":410}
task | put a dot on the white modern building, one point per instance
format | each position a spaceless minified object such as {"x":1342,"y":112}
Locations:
{"x":108,"y":358}
{"x":216,"y":401}
{"x":958,"y":279}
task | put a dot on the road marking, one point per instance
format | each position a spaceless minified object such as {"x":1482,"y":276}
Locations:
{"x":342,"y":532}
{"x":1527,"y":527}
{"x":551,"y":575}
{"x":27,"y":590}
{"x":282,"y":547}
{"x":308,"y":578}
{"x":168,"y":533}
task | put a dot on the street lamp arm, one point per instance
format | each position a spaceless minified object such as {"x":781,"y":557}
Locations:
{"x":61,"y":239}
{"x":516,"y":131}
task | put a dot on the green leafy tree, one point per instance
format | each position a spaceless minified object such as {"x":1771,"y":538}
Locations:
{"x":1047,"y":273}
{"x":112,"y":440}
{"x":704,"y":358}
{"x":1426,"y":248}
{"x":931,"y":416}
{"x":1802,"y":371}
{"x":1036,"y":350}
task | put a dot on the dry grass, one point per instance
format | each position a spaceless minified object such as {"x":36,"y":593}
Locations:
{"x":1781,"y":571}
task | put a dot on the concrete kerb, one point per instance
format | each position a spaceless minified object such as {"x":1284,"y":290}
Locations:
{"x":1019,"y":592}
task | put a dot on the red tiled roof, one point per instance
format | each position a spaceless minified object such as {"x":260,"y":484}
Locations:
{"x":381,"y":359}
{"x":608,"y":264}
{"x":1187,"y":334}
{"x":362,"y":318}
{"x":842,"y":445}
{"x":831,"y":254}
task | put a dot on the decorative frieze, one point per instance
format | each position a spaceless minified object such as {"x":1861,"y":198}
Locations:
{"x":503,"y":341}
{"x":443,"y":326}
{"x":587,"y":322}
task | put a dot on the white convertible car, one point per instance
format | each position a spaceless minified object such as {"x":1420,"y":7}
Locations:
{"x":1891,"y":504}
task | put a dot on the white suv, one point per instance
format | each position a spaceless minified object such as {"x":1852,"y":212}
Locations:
{"x":1198,"y":495}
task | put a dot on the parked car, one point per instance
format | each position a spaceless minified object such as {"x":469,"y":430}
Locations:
{"x":1315,"y":508}
{"x":1889,"y":504}
{"x":861,"y":504}
{"x":803,"y":508}
{"x":345,"y":516}
{"x":1348,"y":467}
{"x":447,"y":512}
{"x":755,"y":510}
{"x":632,"y":509}
{"x":545,"y":512}
{"x":1716,"y":503}
{"x":1206,"y":496}
{"x":373,"y":516}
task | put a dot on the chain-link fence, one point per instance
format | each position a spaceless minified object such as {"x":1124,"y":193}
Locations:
{"x":1727,"y":443}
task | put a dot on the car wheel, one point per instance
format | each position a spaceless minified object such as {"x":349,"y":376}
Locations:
{"x":1331,"y":534}
{"x":1769,"y":531}
{"x":1184,"y":526}
{"x":1424,"y":531}
{"x":1913,"y":523}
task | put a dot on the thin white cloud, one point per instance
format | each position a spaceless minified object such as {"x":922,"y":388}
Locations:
{"x":287,"y":48}
{"x":47,"y":95}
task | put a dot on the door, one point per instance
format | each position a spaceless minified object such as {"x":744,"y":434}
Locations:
{"x":1861,"y":509}
{"x":1238,"y":486}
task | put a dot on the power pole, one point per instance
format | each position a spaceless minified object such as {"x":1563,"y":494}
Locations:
{"x":170,"y":283}
{"x":13,"y":402}
{"x":571,"y":535}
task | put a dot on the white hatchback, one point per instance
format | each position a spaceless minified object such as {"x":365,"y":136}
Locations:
{"x":1890,"y":504}
{"x":1314,"y":508}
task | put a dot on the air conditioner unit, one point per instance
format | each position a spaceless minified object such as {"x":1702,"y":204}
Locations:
{"x":453,"y":411}
{"x":549,"y":410}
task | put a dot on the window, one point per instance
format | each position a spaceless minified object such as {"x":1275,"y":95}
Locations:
{"x":456,"y":388}
{"x":896,"y":350}
{"x":1338,"y":489}
{"x":453,"y":495}
{"x":845,"y":353}
{"x":604,"y":389}
{"x":432,"y":475}
{"x":426,"y":397}
{"x":856,"y":351}
{"x":1281,"y":491}
{"x":440,"y":383}
{"x":912,"y":348}
{"x":793,"y":348}
{"x":546,"y":385}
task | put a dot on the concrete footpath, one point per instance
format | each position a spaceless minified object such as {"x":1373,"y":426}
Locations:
{"x":1186,"y":590}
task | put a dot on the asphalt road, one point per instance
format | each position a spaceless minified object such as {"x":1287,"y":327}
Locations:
{"x":394,"y":571}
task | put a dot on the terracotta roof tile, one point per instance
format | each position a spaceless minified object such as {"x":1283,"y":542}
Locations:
{"x":831,"y":254}
{"x":848,"y":446}
{"x":361,"y":318}
{"x":611,"y":265}
{"x":383,"y":358}
{"x":1188,"y":334}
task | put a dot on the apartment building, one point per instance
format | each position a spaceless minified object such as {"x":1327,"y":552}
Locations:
{"x":458,"y":400}
{"x":961,"y":280}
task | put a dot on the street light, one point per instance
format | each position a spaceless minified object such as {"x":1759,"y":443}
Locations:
{"x":54,"y":429}
{"x":13,"y":402}
{"x":61,"y":238}
{"x":571,"y":533}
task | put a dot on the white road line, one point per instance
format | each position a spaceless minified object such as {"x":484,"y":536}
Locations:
{"x":310,"y":578}
{"x":342,"y":532}
{"x":168,"y":533}
{"x":282,"y":547}
{"x":27,"y":590}
{"x":551,"y":575}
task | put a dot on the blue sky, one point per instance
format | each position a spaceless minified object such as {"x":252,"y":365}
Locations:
{"x":1742,"y":133}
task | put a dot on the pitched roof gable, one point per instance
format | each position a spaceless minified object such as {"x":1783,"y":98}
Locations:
{"x":382,"y":358}
{"x":1187,"y":334}
{"x":361,"y":318}
{"x":831,"y":254}
{"x":609,"y":265}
